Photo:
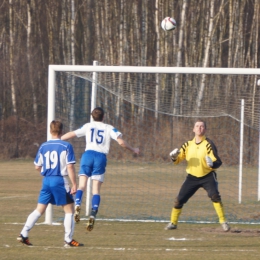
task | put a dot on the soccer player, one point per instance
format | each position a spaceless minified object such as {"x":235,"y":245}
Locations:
{"x":202,"y":161}
{"x":55,"y":161}
{"x":93,"y":161}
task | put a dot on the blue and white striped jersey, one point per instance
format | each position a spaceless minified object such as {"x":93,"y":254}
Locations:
{"x":53,"y":156}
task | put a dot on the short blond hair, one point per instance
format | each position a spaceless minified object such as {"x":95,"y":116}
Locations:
{"x":56,"y":127}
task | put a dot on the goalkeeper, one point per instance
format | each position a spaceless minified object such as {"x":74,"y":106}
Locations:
{"x":202,"y":161}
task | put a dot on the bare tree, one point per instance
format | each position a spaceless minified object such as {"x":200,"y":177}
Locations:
{"x":255,"y":56}
{"x":176,"y":106}
{"x":157,"y":26}
{"x":30,"y":8}
{"x":206,"y":56}
{"x":108,"y":32}
{"x":72,"y":79}
{"x":121,"y":55}
{"x":11,"y":59}
{"x":239,"y":43}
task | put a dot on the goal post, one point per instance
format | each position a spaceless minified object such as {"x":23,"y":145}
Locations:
{"x":132,"y":89}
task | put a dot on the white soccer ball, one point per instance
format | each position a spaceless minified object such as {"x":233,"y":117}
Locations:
{"x":168,"y":24}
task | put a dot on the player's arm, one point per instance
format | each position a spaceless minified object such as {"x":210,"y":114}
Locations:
{"x":38,"y":168}
{"x":178,"y":155}
{"x":124,"y":144}
{"x":212,"y":159}
{"x":68,"y":135}
{"x":72,"y":176}
{"x":38,"y":162}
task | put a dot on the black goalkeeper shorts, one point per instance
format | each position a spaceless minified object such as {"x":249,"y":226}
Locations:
{"x":192,"y":184}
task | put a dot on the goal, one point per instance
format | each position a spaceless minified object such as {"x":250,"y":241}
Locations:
{"x":155,"y":109}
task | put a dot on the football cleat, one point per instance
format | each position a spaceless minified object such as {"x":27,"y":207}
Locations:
{"x":72,"y":243}
{"x":225,"y":226}
{"x":24,"y":240}
{"x":77,"y":214}
{"x":170,"y":226}
{"x":90,"y":223}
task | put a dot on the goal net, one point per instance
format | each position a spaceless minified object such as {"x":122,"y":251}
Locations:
{"x":155,"y":108}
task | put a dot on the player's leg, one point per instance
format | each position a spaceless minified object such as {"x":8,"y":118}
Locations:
{"x":69,"y":225}
{"x":43,"y":200}
{"x":188,"y":188}
{"x":96,"y":188}
{"x":30,"y":222}
{"x":86,"y":166}
{"x":83,"y":179}
{"x":99,"y":168}
{"x":211,"y":186}
{"x":61,"y":196}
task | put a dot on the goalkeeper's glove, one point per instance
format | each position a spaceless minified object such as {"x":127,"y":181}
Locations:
{"x":174,"y":154}
{"x":209,"y":161}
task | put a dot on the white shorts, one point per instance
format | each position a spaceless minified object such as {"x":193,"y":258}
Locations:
{"x":99,"y":177}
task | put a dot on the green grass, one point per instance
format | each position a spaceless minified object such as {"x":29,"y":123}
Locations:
{"x":134,"y":240}
{"x":19,"y":188}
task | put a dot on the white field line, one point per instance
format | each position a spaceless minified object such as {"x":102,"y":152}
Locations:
{"x":222,"y":250}
{"x":181,"y":239}
{"x":166,"y":221}
{"x":147,"y":221}
{"x":12,"y":197}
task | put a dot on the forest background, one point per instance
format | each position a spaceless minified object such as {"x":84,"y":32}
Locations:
{"x":35,"y":33}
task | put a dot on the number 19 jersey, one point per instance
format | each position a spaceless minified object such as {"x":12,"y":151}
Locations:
{"x":98,"y":136}
{"x":53,"y":156}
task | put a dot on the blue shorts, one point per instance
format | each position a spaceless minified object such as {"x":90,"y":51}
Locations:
{"x":55,"y":190}
{"x":92,"y":163}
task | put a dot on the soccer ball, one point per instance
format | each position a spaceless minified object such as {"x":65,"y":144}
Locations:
{"x":168,"y":24}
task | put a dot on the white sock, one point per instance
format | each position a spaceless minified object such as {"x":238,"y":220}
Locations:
{"x":30,"y":222}
{"x":69,"y":227}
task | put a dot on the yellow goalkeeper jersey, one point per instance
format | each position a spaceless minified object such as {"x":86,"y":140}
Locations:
{"x":195,"y":156}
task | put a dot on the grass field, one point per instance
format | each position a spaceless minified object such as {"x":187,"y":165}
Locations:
{"x":19,"y":187}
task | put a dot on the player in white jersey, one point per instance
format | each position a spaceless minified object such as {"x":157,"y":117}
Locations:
{"x":93,"y":161}
{"x":55,"y":161}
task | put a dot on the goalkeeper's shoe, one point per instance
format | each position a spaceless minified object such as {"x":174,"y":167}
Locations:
{"x":225,"y":226}
{"x":170,"y":226}
{"x":77,"y":214}
{"x":24,"y":240}
{"x":90,"y":223}
{"x":72,"y":243}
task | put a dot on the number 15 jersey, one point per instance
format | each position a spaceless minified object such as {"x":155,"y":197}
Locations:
{"x":98,"y":136}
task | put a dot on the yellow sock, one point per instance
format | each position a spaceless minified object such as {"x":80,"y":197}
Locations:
{"x":220,"y":211}
{"x":175,"y":215}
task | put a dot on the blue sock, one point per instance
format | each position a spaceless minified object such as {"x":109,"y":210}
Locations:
{"x":78,"y":197}
{"x":95,"y":202}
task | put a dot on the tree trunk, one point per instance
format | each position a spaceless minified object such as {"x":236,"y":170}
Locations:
{"x":13,"y":91}
{"x":72,"y":39}
{"x":176,"y":106}
{"x":255,"y":58}
{"x":121,"y":55}
{"x":157,"y":25}
{"x":108,"y":32}
{"x":206,"y":56}
{"x":30,"y":9}
{"x":11,"y":59}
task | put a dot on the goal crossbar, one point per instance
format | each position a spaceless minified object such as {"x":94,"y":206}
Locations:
{"x":149,"y":69}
